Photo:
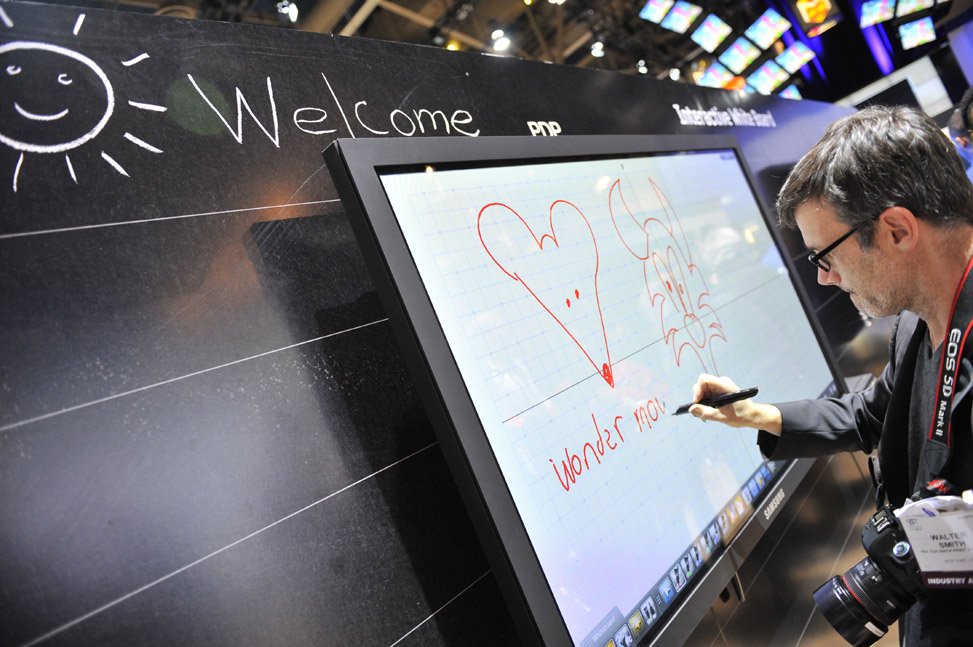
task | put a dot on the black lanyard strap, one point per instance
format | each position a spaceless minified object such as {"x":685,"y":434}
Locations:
{"x":937,"y":450}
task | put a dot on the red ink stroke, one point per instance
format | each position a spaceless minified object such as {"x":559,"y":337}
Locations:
{"x":680,"y":292}
{"x":499,"y":227}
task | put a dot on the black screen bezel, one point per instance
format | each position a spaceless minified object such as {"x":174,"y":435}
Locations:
{"x":356,"y":166}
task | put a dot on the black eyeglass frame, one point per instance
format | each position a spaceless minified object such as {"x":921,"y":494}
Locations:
{"x":817,"y":258}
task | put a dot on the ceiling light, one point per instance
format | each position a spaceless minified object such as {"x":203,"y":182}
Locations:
{"x":289,"y":9}
{"x":501,"y":43}
{"x":497,"y":34}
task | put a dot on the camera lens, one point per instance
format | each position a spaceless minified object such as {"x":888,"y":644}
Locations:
{"x":862,"y":603}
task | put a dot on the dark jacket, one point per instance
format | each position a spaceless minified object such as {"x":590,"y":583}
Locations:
{"x":879,"y":417}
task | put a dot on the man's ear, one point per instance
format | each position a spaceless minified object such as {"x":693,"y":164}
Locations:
{"x":900,"y":227}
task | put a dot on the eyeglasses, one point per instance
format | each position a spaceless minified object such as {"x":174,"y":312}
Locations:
{"x":817,"y":258}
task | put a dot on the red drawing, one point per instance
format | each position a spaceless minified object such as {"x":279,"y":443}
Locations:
{"x":500,"y":230}
{"x":680,"y":292}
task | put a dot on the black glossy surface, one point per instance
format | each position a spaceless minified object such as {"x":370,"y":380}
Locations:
{"x":207,"y":434}
{"x":817,"y":536}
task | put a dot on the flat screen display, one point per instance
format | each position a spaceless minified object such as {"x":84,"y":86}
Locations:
{"x":564,"y":306}
{"x":790,"y":92}
{"x":767,"y":29}
{"x":715,"y":76}
{"x":655,"y":10}
{"x":739,"y":55}
{"x":876,"y":11}
{"x":815,"y":17}
{"x":906,"y":7}
{"x":681,"y":17}
{"x":711,"y":32}
{"x":768,"y":77}
{"x":795,"y":56}
{"x":917,"y":33}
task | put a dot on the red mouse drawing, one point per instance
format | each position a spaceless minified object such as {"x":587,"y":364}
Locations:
{"x":559,"y":269}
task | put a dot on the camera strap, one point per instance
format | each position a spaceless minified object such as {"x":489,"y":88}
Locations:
{"x":937,"y":450}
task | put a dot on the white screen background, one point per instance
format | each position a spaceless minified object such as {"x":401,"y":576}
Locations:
{"x":541,"y":273}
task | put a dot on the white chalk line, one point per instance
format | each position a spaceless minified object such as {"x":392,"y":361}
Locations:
{"x":141,"y":589}
{"x":52,"y":414}
{"x":434,"y":613}
{"x":147,"y":106}
{"x":20,"y":162}
{"x":138,"y":142}
{"x":138,"y":59}
{"x":118,"y":167}
{"x":62,"y":230}
{"x":338,"y":103}
{"x":67,"y":159}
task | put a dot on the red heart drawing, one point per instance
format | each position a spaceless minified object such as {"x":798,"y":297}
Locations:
{"x":498,"y":225}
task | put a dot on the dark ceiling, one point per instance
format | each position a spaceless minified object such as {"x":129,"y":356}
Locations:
{"x":542,"y":31}
{"x":565,"y":33}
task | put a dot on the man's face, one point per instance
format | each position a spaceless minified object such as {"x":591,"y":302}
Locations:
{"x":867,"y":276}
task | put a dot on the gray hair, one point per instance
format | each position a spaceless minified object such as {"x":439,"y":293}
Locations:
{"x":878,"y":158}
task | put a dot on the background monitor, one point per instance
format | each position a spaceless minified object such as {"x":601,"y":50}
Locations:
{"x":739,"y":55}
{"x":814,"y":17}
{"x":790,"y":92}
{"x":876,"y":11}
{"x":768,"y":77}
{"x":655,"y":10}
{"x":715,"y":76}
{"x":767,"y":29}
{"x":711,"y":32}
{"x":556,"y":299}
{"x":795,"y":56}
{"x":681,"y":16}
{"x":918,"y":32}
{"x":906,"y":7}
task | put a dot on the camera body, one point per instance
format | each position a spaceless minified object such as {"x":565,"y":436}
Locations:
{"x":875,"y":592}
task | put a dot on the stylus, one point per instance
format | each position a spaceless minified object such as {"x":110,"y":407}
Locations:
{"x":719,"y":400}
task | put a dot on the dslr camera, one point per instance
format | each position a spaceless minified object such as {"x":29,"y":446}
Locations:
{"x":875,"y":592}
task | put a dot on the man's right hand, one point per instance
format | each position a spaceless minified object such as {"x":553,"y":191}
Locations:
{"x":745,"y":413}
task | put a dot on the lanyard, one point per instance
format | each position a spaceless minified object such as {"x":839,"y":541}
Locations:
{"x":960,"y":323}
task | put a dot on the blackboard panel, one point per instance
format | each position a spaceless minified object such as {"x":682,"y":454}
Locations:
{"x":166,"y":389}
{"x":286,"y":586}
{"x":117,"y":308}
{"x":188,"y":468}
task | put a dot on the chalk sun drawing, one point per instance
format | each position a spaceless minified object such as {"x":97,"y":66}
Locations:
{"x":54,"y":100}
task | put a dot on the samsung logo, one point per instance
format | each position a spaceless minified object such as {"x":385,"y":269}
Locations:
{"x":774,"y":503}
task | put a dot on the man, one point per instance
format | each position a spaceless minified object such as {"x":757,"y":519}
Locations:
{"x":965,"y":108}
{"x":885,"y":202}
{"x":960,"y":137}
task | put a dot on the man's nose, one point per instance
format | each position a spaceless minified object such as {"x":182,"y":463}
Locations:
{"x":829,"y":277}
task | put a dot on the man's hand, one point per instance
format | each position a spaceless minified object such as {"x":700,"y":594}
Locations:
{"x":745,"y":413}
